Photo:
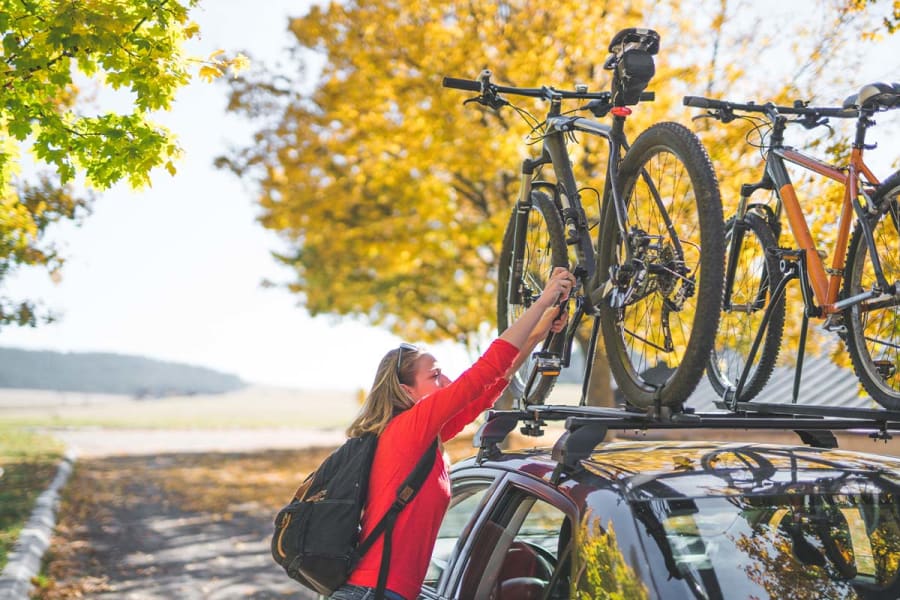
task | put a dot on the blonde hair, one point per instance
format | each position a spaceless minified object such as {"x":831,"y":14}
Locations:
{"x":387,"y":398}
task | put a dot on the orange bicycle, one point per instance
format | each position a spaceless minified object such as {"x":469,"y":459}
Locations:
{"x":858,"y":296}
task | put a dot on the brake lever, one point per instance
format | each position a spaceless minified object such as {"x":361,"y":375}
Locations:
{"x":812,"y":121}
{"x":723,"y":115}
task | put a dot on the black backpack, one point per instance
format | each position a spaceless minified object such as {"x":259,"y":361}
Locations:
{"x":316,"y":536}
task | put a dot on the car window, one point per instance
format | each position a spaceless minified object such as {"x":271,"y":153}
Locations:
{"x":519,"y":551}
{"x":837,"y":536}
{"x":844,"y":545}
{"x":466,"y":498}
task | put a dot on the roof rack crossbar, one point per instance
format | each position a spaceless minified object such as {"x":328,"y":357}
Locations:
{"x":813,"y":424}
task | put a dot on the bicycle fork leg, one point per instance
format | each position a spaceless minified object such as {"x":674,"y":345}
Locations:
{"x":764,"y":325}
{"x":804,"y":326}
{"x":517,"y":264}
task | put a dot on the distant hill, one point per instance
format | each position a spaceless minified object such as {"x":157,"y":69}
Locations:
{"x":108,"y":374}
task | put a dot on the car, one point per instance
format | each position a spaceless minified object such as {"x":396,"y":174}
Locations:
{"x":668,"y":519}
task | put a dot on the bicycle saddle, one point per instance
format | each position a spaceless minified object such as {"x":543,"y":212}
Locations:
{"x":875,"y":95}
{"x":646,"y":39}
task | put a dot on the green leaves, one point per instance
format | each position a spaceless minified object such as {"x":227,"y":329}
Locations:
{"x":49,"y":49}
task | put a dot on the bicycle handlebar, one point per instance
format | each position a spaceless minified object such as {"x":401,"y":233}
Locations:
{"x":770,"y":109}
{"x":462,"y":84}
{"x":546,"y":92}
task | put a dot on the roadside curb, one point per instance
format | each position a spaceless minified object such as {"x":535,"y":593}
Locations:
{"x":25,"y":559}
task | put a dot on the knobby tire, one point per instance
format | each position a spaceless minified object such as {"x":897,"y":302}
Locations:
{"x":681,"y":171}
{"x":545,"y":249}
{"x":756,"y":275}
{"x":873,"y":326}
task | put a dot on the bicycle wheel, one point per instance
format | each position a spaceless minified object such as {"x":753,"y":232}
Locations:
{"x":756,"y":275}
{"x":660,"y":308}
{"x":873,"y":326}
{"x":545,"y":248}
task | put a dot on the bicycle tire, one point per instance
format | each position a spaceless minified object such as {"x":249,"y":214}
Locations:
{"x":673,"y":160}
{"x":756,"y":276}
{"x":873,"y":330}
{"x":545,"y":249}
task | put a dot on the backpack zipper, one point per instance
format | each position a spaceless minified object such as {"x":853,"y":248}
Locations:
{"x":285,"y":521}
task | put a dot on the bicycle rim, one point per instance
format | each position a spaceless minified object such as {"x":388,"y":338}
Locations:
{"x":545,"y":248}
{"x":756,"y":275}
{"x":873,"y":326}
{"x":659,"y":319}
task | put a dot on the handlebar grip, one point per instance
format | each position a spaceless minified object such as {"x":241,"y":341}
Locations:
{"x":462,"y":84}
{"x":698,"y":102}
{"x":647,"y":97}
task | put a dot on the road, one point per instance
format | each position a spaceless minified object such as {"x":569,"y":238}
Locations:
{"x":155,"y":514}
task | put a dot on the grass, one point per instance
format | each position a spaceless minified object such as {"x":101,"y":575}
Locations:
{"x":29,"y":462}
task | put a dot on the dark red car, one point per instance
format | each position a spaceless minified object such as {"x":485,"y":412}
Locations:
{"x":670,"y":520}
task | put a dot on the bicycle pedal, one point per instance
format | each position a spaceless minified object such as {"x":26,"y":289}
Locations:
{"x":548,"y":364}
{"x":835,"y":324}
{"x":885,"y":368}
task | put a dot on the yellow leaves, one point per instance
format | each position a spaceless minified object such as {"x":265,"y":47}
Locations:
{"x":239,"y":63}
{"x":683,"y":463}
{"x":383,"y":180}
{"x":209,"y":73}
{"x":191,"y":30}
{"x":216,"y":65}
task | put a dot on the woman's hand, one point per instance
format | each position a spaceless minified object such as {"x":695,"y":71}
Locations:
{"x":555,"y":317}
{"x":543,"y":314}
{"x":558,"y":288}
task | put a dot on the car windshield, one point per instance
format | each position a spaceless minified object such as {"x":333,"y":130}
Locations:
{"x":840,"y":539}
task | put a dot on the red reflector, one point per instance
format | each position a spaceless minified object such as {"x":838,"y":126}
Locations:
{"x":620,"y":111}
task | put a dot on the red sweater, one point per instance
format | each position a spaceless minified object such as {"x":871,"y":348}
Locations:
{"x":401,"y":445}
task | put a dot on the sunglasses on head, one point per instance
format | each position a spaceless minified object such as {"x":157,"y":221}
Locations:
{"x":404,"y":346}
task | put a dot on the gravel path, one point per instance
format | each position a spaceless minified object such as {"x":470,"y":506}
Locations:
{"x":155,"y":551}
{"x":138,"y":538}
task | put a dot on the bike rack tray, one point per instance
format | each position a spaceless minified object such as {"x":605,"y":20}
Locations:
{"x":866,"y":414}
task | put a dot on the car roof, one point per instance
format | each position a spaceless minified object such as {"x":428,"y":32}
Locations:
{"x":705,"y":468}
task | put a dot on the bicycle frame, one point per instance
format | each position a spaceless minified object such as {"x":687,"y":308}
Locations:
{"x":565,"y":191}
{"x":821,"y":295}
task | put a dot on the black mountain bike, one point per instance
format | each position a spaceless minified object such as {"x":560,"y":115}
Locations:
{"x":651,"y":291}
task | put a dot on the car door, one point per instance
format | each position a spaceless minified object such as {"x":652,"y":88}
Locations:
{"x":520,"y":546}
{"x":470,"y":492}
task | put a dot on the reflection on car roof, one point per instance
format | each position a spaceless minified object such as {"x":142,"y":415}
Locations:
{"x":694,"y":469}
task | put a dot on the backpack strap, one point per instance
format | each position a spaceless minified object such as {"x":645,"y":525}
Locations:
{"x":405,"y":493}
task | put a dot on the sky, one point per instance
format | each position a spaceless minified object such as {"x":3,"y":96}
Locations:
{"x":173,"y":272}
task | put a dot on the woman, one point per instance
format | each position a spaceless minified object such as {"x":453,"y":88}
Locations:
{"x":411,"y":403}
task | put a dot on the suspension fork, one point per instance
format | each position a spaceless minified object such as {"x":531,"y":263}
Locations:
{"x":524,"y":205}
{"x":739,"y":228}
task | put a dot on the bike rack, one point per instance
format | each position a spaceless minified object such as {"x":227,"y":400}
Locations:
{"x":588,"y":426}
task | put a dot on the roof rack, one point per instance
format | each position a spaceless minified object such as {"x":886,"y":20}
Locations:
{"x":587,"y":426}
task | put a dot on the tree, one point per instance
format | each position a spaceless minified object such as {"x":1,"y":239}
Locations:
{"x":50,"y":52}
{"x":392,"y":197}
